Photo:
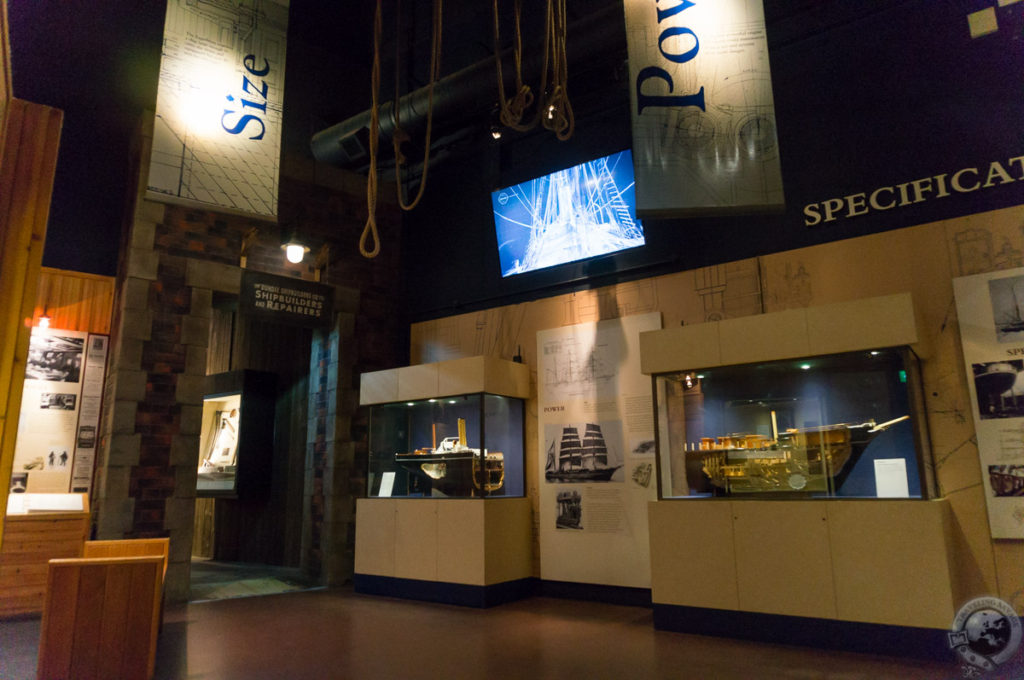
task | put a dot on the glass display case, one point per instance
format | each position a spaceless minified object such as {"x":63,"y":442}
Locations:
{"x":462,"y":446}
{"x":237,"y":435}
{"x":842,"y":425}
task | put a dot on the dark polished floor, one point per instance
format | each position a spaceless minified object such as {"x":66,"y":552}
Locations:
{"x":336,"y":634}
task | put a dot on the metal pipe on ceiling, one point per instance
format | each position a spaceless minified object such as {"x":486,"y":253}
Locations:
{"x":467,"y":94}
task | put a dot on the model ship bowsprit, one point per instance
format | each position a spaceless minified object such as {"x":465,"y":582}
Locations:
{"x":452,"y":466}
{"x":585,"y":461}
{"x":808,"y":459}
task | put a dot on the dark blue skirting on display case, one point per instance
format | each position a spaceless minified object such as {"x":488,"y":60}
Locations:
{"x":445,"y":593}
{"x":866,"y":638}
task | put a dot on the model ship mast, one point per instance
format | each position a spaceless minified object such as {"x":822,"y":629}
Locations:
{"x":452,"y":464}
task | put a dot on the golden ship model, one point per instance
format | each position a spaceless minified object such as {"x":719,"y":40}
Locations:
{"x":807,"y":459}
{"x":451,"y":464}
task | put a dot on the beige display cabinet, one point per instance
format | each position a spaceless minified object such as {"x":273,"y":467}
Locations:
{"x":873,"y":575}
{"x":469,"y":551}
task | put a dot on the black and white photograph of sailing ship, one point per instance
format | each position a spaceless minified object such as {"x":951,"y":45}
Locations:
{"x":999,"y":386}
{"x":1007,"y":295}
{"x":583,"y":452}
{"x":570,"y":510}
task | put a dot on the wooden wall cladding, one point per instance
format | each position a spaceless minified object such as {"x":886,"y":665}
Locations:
{"x":5,"y":61}
{"x":29,"y":139}
{"x":30,"y":541}
{"x":75,"y":301}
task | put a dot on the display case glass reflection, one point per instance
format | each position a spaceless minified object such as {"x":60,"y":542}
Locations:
{"x":218,"y":460}
{"x":838,"y":425}
{"x":459,"y":446}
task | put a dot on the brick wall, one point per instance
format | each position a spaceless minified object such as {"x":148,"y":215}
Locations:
{"x":174,"y":259}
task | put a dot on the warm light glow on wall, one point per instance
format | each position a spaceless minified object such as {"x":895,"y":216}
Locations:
{"x":203,"y":103}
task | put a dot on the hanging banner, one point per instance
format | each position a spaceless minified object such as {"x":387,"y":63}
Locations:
{"x":990,"y":308}
{"x":704,"y":135}
{"x":596,"y":447}
{"x":217,"y":134}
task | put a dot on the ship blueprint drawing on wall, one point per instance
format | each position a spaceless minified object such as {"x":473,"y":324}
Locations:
{"x":217,"y":132}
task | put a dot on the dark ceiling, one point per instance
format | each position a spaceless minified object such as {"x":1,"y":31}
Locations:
{"x":99,"y":63}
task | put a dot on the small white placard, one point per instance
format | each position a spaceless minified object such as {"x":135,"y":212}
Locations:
{"x":387,"y":480}
{"x":16,"y":504}
{"x":891,"y":478}
{"x":44,"y":502}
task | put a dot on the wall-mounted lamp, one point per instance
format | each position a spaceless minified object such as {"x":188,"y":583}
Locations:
{"x":294,"y":248}
{"x":294,"y":251}
{"x":44,"y":320}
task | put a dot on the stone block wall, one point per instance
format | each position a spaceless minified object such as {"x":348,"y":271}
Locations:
{"x":174,"y":259}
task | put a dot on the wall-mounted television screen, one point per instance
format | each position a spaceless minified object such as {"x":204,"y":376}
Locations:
{"x":573,"y":214}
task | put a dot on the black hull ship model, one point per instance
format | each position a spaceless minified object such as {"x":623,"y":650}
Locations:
{"x":585,"y":461}
{"x":808,"y":459}
{"x":453,"y":468}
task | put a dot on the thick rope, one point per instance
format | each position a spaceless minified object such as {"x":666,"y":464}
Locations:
{"x":510,"y":111}
{"x":556,"y":113}
{"x":559,"y":117}
{"x":370,"y":230}
{"x":400,"y":135}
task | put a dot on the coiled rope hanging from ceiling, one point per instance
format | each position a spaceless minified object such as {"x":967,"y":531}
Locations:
{"x":399,"y":135}
{"x":370,"y":229}
{"x":556,"y":114}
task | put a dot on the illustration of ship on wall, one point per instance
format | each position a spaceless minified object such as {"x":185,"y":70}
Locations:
{"x":577,"y":461}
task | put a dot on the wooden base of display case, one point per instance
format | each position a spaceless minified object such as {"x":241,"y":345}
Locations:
{"x":807,"y":572}
{"x":463,"y":551}
{"x":31,"y":540}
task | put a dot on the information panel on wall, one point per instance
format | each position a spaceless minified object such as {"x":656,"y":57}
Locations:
{"x":991,"y":311}
{"x":217,"y":134}
{"x":60,"y":411}
{"x":596,"y":448}
{"x":704,"y":134}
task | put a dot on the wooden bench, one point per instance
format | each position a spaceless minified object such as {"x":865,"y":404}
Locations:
{"x":130,"y":547}
{"x":101,"y":618}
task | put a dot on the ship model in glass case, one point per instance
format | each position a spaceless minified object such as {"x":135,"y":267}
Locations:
{"x":453,"y":466}
{"x":807,"y":459}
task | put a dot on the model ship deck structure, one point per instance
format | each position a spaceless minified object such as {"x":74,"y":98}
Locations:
{"x":808,"y":459}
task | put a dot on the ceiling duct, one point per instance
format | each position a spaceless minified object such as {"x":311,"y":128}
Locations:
{"x":467,"y":95}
